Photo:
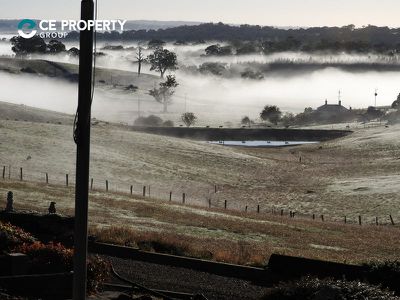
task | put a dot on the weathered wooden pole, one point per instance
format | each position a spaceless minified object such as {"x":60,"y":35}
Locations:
{"x":82,"y":139}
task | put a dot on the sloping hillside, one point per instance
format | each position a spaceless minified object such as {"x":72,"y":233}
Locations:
{"x":349,"y":177}
{"x":24,"y":113}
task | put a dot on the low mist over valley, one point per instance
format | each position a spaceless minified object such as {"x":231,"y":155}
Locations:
{"x":211,"y":83}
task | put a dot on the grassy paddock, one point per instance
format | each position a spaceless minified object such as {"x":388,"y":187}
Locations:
{"x":216,"y":234}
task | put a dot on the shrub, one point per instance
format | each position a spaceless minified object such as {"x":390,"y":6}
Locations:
{"x":386,"y":273}
{"x":55,"y":258}
{"x":98,"y":270}
{"x":12,"y":237}
{"x":51,"y":258}
{"x":312,"y":289}
{"x":149,"y":121}
{"x":168,"y":123}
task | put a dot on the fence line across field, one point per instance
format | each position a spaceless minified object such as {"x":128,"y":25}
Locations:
{"x":175,"y":195}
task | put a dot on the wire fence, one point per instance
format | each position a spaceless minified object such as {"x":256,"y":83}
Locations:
{"x":209,"y":196}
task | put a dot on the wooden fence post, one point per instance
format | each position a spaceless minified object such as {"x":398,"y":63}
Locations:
{"x":359,"y":220}
{"x":9,"y":172}
{"x":149,"y":191}
{"x":281,"y":212}
{"x":391,"y":219}
{"x":4,"y":172}
{"x":322,"y":218}
{"x":246,"y":209}
{"x":226,"y":204}
{"x":376,"y":221}
{"x":66,"y":179}
{"x":313,"y":216}
{"x":144,"y":191}
{"x":209,"y":203}
{"x":47,"y":178}
{"x":215,"y":189}
{"x":91,"y":184}
{"x":170,"y":196}
{"x":20,"y":174}
{"x":183,"y":198}
{"x":131,"y":189}
{"x":258,"y":209}
{"x":106,"y":185}
{"x":345,"y":219}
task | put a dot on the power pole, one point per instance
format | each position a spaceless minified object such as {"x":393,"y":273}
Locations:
{"x":138,"y":103}
{"x":185,"y":103}
{"x":82,"y":139}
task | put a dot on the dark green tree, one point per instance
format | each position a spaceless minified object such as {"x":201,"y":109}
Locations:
{"x":246,"y":121}
{"x":396,"y":104}
{"x":55,"y":46}
{"x":218,"y":50}
{"x":22,"y":46}
{"x":162,"y":60}
{"x":271,"y":113}
{"x":189,"y":119}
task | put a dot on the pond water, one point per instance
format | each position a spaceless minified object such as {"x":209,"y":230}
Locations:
{"x":260,"y":143}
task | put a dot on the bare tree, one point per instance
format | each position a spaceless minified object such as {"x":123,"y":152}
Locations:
{"x":140,"y":59}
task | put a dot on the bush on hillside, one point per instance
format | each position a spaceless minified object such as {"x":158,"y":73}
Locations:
{"x":151,"y":120}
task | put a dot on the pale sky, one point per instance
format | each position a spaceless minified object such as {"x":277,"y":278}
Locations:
{"x":262,"y":12}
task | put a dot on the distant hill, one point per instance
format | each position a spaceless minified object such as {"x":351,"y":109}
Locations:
{"x":347,"y":38}
{"x":10,"y":26}
{"x":155,"y":25}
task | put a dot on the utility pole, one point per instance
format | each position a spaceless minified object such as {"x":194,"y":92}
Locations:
{"x":82,"y":139}
{"x":185,"y":103}
{"x":138,"y":104}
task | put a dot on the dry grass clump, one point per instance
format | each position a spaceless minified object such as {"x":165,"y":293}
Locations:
{"x":244,"y":253}
{"x":313,"y":289}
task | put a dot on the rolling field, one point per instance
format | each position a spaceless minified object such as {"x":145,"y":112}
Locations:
{"x":352,"y":176}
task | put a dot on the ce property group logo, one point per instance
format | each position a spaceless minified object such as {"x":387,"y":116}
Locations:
{"x":28,"y":28}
